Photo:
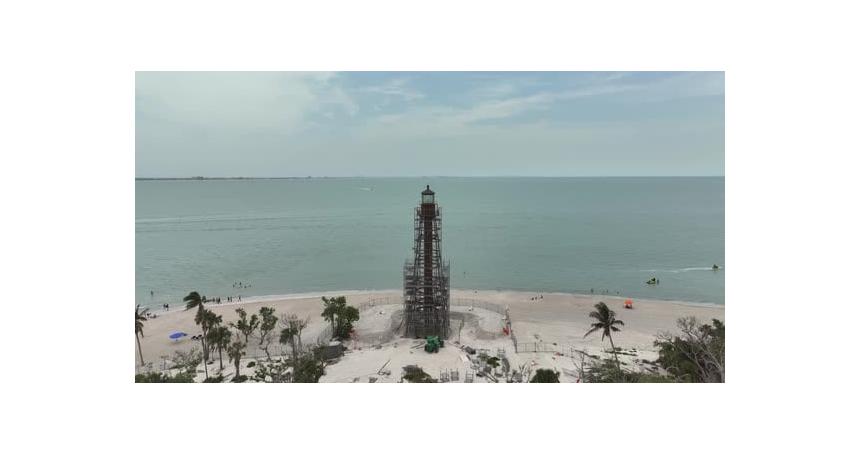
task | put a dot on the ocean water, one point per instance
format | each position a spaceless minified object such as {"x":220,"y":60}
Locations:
{"x":534,"y":234}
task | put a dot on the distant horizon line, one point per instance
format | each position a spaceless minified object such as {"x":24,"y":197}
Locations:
{"x":426,"y":176}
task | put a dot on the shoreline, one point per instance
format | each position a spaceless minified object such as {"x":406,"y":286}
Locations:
{"x":362,"y":292}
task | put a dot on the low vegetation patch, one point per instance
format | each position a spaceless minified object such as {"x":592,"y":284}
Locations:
{"x":697,"y":355}
{"x":545,"y":375}
{"x":412,"y":373}
{"x":608,"y":371}
{"x":161,"y":377}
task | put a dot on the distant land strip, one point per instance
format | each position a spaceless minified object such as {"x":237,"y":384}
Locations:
{"x":225,"y":178}
{"x":441,"y":176}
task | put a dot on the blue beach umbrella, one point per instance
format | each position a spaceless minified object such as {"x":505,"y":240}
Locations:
{"x":177,"y":335}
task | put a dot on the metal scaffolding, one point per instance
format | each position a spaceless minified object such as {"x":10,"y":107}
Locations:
{"x":426,"y":277}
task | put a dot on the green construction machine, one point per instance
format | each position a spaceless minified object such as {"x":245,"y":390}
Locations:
{"x":433,"y":343}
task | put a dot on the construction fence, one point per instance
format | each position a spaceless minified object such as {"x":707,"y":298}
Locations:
{"x":461,"y":302}
{"x":562,"y":349}
{"x":255,"y":351}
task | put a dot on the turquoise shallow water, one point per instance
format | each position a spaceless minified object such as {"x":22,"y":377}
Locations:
{"x":540,"y":234}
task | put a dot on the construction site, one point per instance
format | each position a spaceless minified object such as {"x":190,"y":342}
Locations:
{"x":426,"y":336}
{"x":422,"y":336}
{"x":477,"y":347}
{"x":502,"y":337}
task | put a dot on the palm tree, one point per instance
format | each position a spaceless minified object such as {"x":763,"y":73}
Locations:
{"x":208,"y":321}
{"x":244,"y":325}
{"x":138,"y":329}
{"x":235,"y":351}
{"x":268,"y":321}
{"x":331,"y":308}
{"x":292,"y":333}
{"x":288,"y":336}
{"x":193,"y":300}
{"x":219,"y":336}
{"x":605,"y":321}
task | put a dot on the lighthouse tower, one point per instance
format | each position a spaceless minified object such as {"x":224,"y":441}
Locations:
{"x":426,"y":277}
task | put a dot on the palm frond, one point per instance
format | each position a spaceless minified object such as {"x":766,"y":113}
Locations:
{"x":192,"y":300}
{"x":605,"y":321}
{"x":138,"y":320}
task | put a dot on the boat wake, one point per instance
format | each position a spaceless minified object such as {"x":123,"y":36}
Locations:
{"x":683,"y":270}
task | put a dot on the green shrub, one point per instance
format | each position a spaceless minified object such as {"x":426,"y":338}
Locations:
{"x":416,"y":374}
{"x":187,"y":360}
{"x":274,"y":371}
{"x":345,"y":318}
{"x":340,"y":315}
{"x":308,"y":369}
{"x":545,"y":375}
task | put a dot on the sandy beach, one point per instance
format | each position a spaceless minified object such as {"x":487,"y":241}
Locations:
{"x":557,"y":319}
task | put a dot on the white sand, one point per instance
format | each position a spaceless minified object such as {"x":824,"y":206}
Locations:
{"x":557,"y":318}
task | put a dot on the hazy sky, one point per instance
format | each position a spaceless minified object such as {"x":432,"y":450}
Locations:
{"x":421,"y":124}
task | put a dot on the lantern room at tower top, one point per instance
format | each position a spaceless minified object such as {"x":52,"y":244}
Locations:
{"x":428,"y":196}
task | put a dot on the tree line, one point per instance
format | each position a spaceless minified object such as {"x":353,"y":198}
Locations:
{"x":695,"y":354}
{"x":302,"y":365}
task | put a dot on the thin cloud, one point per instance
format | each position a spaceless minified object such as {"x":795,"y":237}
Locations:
{"x":349,"y":124}
{"x":397,"y":88}
{"x":285,"y":102}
